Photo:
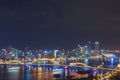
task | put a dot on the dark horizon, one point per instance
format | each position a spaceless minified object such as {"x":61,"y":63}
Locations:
{"x":59,"y":24}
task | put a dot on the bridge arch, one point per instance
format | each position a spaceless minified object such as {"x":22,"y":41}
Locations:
{"x":14,"y":61}
{"x":99,"y":66}
{"x":80,"y":63}
{"x":47,"y":59}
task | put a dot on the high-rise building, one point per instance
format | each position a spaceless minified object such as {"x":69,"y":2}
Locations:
{"x":89,"y":48}
{"x":81,"y":50}
{"x":97,"y":47}
{"x":55,"y":53}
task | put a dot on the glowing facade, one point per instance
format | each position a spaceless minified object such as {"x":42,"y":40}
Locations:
{"x":97,"y":47}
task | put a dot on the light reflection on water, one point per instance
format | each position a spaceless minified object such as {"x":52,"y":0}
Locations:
{"x":25,"y":74}
{"x":35,"y":74}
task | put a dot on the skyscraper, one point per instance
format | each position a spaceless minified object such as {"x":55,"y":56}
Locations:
{"x":89,"y":48}
{"x":97,"y":47}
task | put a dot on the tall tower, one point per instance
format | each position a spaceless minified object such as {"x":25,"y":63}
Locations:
{"x":89,"y":48}
{"x":97,"y":47}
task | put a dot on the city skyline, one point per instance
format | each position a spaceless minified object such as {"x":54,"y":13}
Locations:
{"x":59,"y":24}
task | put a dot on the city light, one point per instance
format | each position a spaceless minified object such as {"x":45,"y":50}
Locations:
{"x":74,"y":60}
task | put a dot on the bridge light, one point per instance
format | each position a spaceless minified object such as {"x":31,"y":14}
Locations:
{"x":47,"y":68}
{"x":70,"y":70}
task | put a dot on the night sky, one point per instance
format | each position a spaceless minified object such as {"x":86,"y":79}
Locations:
{"x":51,"y":24}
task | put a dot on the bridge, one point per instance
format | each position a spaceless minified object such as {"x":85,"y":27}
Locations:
{"x":32,"y":62}
{"x":74,"y":65}
{"x":56,"y":63}
{"x":46,"y":59}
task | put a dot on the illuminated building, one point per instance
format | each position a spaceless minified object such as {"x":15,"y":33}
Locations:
{"x":89,"y":48}
{"x":97,"y":46}
{"x":86,"y":50}
{"x":81,"y":50}
{"x":55,"y":53}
